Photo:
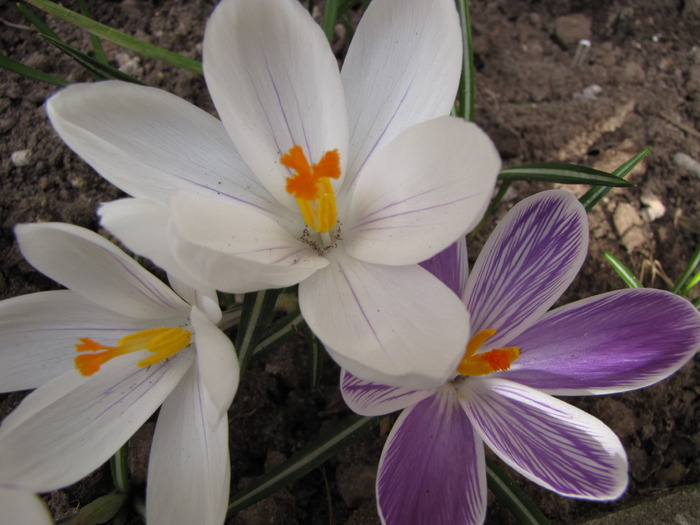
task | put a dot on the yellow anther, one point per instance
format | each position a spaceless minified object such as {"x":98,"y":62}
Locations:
{"x":499,"y":359}
{"x":311,"y":185}
{"x":161,"y":342}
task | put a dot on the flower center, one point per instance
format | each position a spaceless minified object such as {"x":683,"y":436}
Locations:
{"x":311,"y":185}
{"x":161,"y":342}
{"x":473,"y":364}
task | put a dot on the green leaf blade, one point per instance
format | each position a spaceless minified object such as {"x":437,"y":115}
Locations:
{"x":562,"y":173}
{"x":625,"y":273}
{"x":593,"y":196}
{"x":302,"y":462}
{"x":119,"y":38}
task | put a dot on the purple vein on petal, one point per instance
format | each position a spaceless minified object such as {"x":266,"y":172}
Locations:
{"x":527,"y":263}
{"x":432,"y":466}
{"x":544,"y":440}
{"x":611,"y":342}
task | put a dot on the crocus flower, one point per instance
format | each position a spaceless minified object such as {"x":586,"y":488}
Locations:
{"x":432,"y":467}
{"x":341,"y":182}
{"x":21,"y":506}
{"x":103,"y":356}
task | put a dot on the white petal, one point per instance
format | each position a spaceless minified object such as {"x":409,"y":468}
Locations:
{"x":95,"y":268}
{"x":403,"y":67}
{"x":19,"y":506}
{"x":217,"y":365}
{"x":275,"y":83}
{"x":372,"y":399}
{"x":150,"y":143}
{"x":189,"y":468}
{"x":236,"y":249}
{"x":421,"y":192}
{"x":39,"y":333}
{"x":142,"y":225}
{"x":66,"y":429}
{"x":398,"y":326}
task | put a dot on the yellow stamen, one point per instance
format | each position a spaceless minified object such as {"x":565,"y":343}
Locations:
{"x":499,"y":359}
{"x":312,"y":187}
{"x":161,"y":342}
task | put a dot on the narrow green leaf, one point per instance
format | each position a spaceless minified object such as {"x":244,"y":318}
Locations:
{"x":465,"y":93}
{"x":119,"y":38}
{"x":693,"y":282}
{"x":317,"y":356}
{"x":562,"y":173}
{"x":330,"y":15}
{"x":255,"y":317}
{"x":36,"y":21}
{"x":689,"y":269}
{"x":622,"y":270}
{"x":30,"y":72}
{"x":99,"y":511}
{"x":594,"y":195}
{"x":302,"y":462}
{"x":279,"y":332}
{"x":508,"y":493}
{"x":120,"y":469}
{"x":96,"y":44}
{"x":98,"y":69}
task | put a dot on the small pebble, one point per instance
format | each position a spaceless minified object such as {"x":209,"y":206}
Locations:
{"x":21,"y":158}
{"x":653,"y":207}
{"x":687,"y":162}
{"x":589,"y":93}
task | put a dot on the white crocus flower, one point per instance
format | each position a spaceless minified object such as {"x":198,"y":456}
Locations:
{"x":103,"y":356}
{"x":21,"y":506}
{"x":341,"y":182}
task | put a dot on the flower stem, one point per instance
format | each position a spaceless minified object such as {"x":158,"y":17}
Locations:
{"x":120,"y":469}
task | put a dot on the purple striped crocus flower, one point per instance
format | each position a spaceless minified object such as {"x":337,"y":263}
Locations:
{"x":432,"y":468}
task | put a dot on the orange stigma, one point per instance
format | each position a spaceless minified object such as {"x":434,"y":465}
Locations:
{"x":161,"y":342}
{"x":499,"y":359}
{"x":311,"y":185}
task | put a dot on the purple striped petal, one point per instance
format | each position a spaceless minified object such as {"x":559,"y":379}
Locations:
{"x":612,"y":342}
{"x":451,"y":266}
{"x":530,"y":259}
{"x":548,"y":441}
{"x":373,"y":399}
{"x":432,"y":468}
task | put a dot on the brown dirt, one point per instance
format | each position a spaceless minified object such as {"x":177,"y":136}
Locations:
{"x":643,"y":59}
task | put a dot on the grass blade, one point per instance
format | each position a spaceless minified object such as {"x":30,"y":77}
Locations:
{"x":96,"y":44}
{"x":317,"y":356}
{"x":330,"y":15}
{"x":694,"y":281}
{"x":562,"y":173}
{"x":98,"y":69}
{"x":279,"y":332}
{"x":465,"y":93}
{"x":622,"y":270}
{"x":302,"y":462}
{"x":592,"y":197}
{"x":30,"y":72}
{"x":255,"y":318}
{"x":119,"y":38}
{"x":508,"y":493}
{"x":689,"y":269}
{"x":36,"y":21}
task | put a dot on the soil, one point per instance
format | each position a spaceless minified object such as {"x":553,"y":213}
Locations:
{"x":532,"y":98}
